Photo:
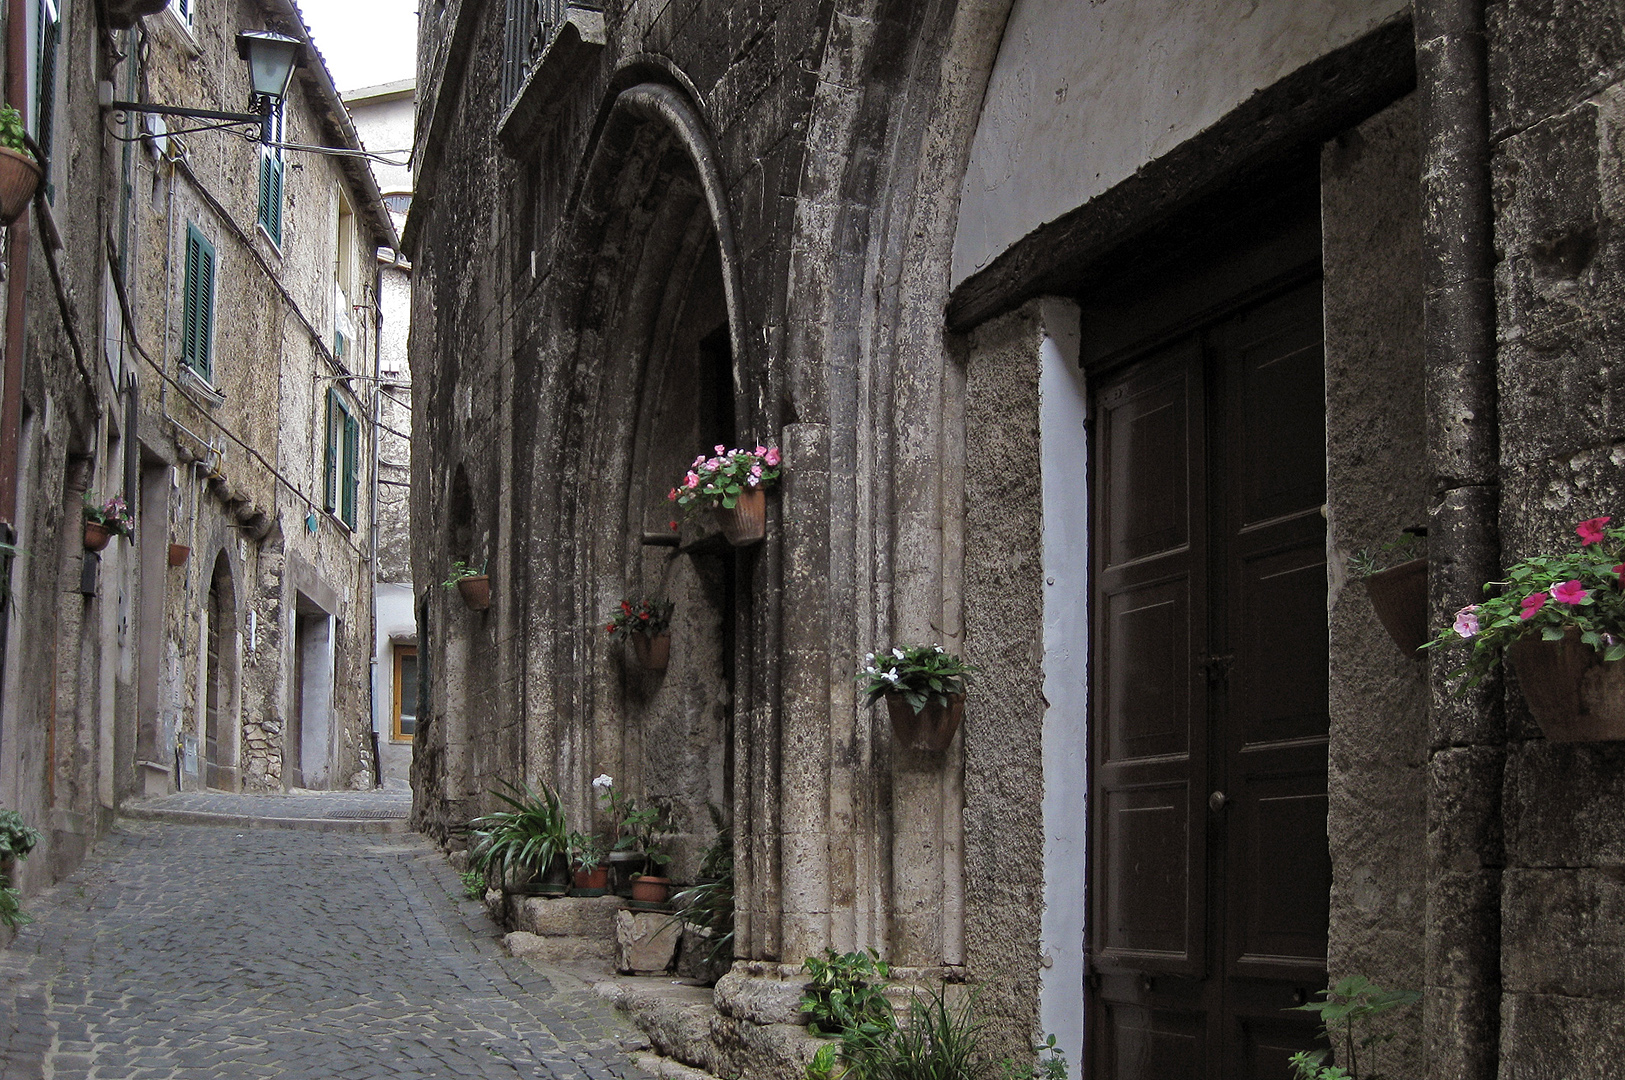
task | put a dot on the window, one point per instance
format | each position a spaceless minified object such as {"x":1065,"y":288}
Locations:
{"x":197,"y":305}
{"x":270,"y":216}
{"x":50,"y":35}
{"x":405,"y":723}
{"x":182,"y":10}
{"x":341,"y":467}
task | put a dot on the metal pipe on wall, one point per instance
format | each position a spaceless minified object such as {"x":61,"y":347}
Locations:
{"x":1467,"y":734}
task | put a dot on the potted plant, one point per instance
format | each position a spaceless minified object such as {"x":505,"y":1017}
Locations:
{"x":1559,"y":620}
{"x":647,"y":625}
{"x":924,"y":688}
{"x":590,"y":875}
{"x":105,"y":520}
{"x":474,"y":585}
{"x":525,"y":845}
{"x":640,"y":834}
{"x":1396,"y":580}
{"x":17,"y":839}
{"x":20,"y":174}
{"x":733,"y":483}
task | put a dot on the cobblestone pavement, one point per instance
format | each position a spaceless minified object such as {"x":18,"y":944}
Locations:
{"x":188,"y":952}
{"x":381,"y":810}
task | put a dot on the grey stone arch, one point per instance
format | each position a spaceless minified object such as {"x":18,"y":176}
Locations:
{"x":219,"y":712}
{"x":650,"y":356}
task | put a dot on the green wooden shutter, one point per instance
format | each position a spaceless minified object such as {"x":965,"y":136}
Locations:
{"x":352,"y":470}
{"x":197,"y":303}
{"x":271,"y":196}
{"x":330,"y":454}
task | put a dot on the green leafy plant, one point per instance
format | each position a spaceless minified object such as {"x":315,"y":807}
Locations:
{"x":1349,"y":1006}
{"x":11,"y":906}
{"x":921,"y":673}
{"x":719,"y":481}
{"x":938,"y":1041}
{"x":1048,"y":1063}
{"x":1550,"y":595}
{"x":586,"y":852}
{"x":1406,"y":546}
{"x":650,"y":618}
{"x":846,"y":994}
{"x":17,"y":837}
{"x":13,"y":135}
{"x":113,"y":514}
{"x":473,"y":884}
{"x":643,"y":829}
{"x":462,"y":571}
{"x":524,"y":840}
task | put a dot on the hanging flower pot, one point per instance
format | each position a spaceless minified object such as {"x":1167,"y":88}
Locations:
{"x":1574,"y":694}
{"x":475,"y":591}
{"x":932,"y":728}
{"x":652,"y":652}
{"x":178,"y":554}
{"x":746,"y":522}
{"x":20,"y":177}
{"x":1400,"y":597}
{"x":97,"y":536}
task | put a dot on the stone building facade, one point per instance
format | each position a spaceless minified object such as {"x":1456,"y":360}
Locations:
{"x":194,"y":330}
{"x":1096,"y":338}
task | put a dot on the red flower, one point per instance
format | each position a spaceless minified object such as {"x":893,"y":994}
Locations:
{"x":610,"y":629}
{"x":1532,"y":604}
{"x":674,"y":526}
{"x":626,"y":607}
{"x":643,"y":615}
{"x":1591,"y":531}
{"x":671,"y":496}
{"x":1569,"y":592}
{"x":1619,"y":572}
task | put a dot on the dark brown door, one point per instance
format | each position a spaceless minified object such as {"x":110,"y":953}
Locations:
{"x":212,"y":688}
{"x":1210,"y":875}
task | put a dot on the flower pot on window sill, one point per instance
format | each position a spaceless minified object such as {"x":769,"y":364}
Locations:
{"x":20,"y":177}
{"x":97,"y":535}
{"x":932,"y":728}
{"x":746,"y":523}
{"x":475,"y":591}
{"x":652,"y":652}
{"x":1574,"y":694}
{"x":1400,"y":597}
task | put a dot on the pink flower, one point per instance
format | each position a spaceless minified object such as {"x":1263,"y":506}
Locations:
{"x":1467,"y":621}
{"x":721,"y":449}
{"x":1532,"y":604}
{"x":1591,"y":531}
{"x":756,"y":470}
{"x":671,"y":496}
{"x":1619,"y":572}
{"x":759,"y":451}
{"x":772,"y":456}
{"x":698,"y":462}
{"x":1569,"y":592}
{"x":691,"y":480}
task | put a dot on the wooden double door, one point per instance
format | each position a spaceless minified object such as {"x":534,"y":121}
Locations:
{"x":1210,"y":876}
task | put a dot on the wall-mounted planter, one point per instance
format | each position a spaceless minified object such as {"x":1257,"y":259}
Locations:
{"x":746,"y":523}
{"x":475,"y":591}
{"x":652,"y":652}
{"x":932,"y":728}
{"x":97,"y":535}
{"x":1400,"y":597}
{"x":1573,"y":693}
{"x":178,"y":554}
{"x":20,"y":177}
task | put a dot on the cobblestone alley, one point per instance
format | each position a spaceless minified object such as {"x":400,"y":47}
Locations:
{"x":186,"y":951}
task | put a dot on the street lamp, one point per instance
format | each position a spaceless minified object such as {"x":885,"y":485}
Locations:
{"x":271,"y":59}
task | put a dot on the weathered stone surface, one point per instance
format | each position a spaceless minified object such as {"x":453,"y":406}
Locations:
{"x":759,"y":998}
{"x":645,"y":941}
{"x":1583,"y":908}
{"x":567,"y":916}
{"x":558,"y":950}
{"x":1552,"y":1035}
{"x":1563,"y":805}
{"x":1546,"y":55}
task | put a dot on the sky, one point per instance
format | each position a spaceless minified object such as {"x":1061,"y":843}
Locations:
{"x":365,"y":42}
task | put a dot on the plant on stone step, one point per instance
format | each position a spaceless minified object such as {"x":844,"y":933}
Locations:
{"x":473,"y":884}
{"x":846,"y":994}
{"x":1350,"y":1005}
{"x":11,"y":908}
{"x":524,"y":840}
{"x":938,"y":1041}
{"x":710,"y":903}
{"x":1049,"y":1063}
{"x":17,"y":837}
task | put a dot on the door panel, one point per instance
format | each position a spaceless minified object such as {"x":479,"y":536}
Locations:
{"x":1210,"y":884}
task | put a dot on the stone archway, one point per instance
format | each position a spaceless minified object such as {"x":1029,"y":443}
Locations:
{"x":218,"y":699}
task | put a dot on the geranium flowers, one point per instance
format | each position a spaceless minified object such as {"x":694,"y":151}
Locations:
{"x":719,"y":480}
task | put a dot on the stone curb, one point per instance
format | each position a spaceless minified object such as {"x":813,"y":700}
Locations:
{"x":376,"y":826}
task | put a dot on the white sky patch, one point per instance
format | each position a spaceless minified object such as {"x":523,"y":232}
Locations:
{"x":365,"y":42}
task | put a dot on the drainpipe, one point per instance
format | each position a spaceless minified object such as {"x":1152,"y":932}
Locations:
{"x":11,"y":373}
{"x":1467,"y":734}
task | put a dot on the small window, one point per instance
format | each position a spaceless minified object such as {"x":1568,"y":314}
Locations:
{"x":271,"y":167}
{"x":398,"y":202}
{"x":197,"y":305}
{"x":341,"y":467}
{"x":183,"y":10}
{"x":49,"y":38}
{"x":405,"y":723}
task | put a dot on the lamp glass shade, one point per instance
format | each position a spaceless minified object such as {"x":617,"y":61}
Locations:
{"x":271,"y":59}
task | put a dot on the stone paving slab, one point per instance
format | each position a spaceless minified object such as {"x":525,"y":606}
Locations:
{"x":204,"y":953}
{"x":379,"y":811}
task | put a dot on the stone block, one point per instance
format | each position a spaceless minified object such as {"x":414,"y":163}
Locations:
{"x":1463,"y":928}
{"x":645,"y":941}
{"x":1563,"y":932}
{"x":760,"y":997}
{"x":695,"y":960}
{"x":1464,"y":808}
{"x":1546,"y":54}
{"x":557,"y":950}
{"x":567,"y":916}
{"x":1563,"y":803}
{"x":1549,"y":1035}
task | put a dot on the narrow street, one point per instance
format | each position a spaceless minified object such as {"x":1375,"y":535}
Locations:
{"x":219,"y":951}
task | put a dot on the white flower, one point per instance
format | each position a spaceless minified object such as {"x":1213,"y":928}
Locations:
{"x":870,"y":671}
{"x":893,"y":678}
{"x":870,"y":659}
{"x":602,"y":781}
{"x":897,"y":653}
{"x":939,"y":648}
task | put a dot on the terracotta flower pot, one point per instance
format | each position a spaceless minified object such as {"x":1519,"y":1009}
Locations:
{"x":746,"y":523}
{"x":932,"y":728}
{"x":476,"y":591}
{"x":594,"y":882}
{"x":652,"y":652}
{"x":651,"y":890}
{"x":97,"y":535}
{"x":20,"y":177}
{"x":178,"y":554}
{"x":1400,"y":597}
{"x":1573,"y":693}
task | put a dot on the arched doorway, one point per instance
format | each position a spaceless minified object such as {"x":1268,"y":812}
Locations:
{"x":220,"y":679}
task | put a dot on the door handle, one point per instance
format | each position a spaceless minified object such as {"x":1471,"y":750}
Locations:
{"x":1217,"y":801}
